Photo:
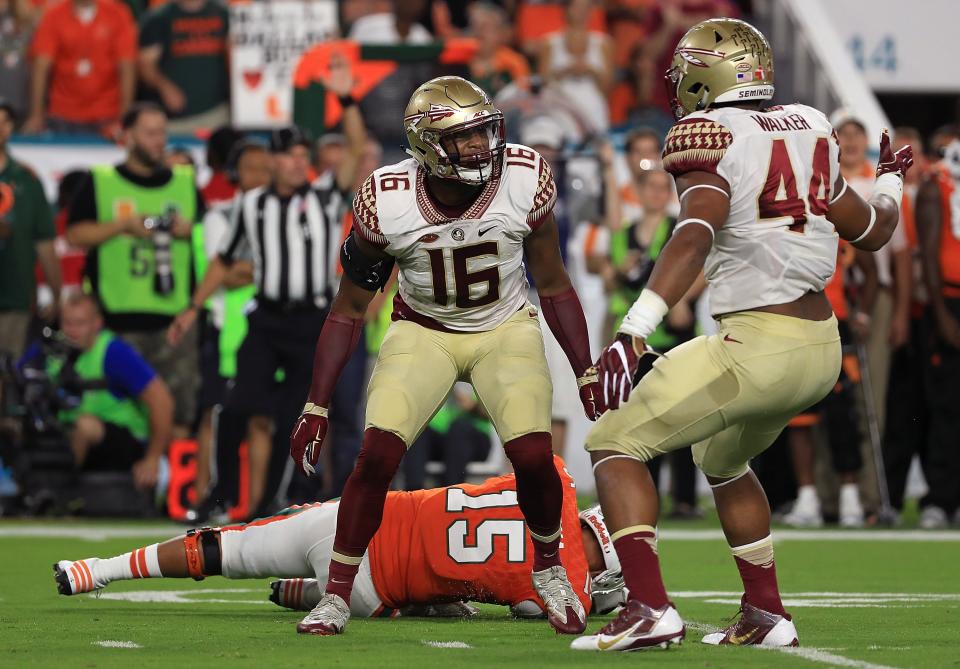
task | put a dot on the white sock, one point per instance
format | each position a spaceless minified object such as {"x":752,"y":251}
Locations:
{"x":850,"y":495}
{"x":807,"y":496}
{"x":141,"y":563}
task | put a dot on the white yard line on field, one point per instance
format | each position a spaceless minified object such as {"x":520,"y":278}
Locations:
{"x":445,"y":644}
{"x":116,"y":644}
{"x":819,"y":655}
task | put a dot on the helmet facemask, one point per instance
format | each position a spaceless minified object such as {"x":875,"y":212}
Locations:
{"x":480,"y":165}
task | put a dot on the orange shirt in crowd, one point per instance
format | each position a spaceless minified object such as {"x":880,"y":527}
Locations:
{"x":836,"y":288}
{"x":949,"y":239}
{"x":84,"y":80}
{"x":468,"y":542}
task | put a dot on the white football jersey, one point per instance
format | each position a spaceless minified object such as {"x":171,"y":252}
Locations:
{"x":781,"y":165}
{"x":462,"y":273}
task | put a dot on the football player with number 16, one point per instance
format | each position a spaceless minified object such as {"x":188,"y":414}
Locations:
{"x":457,"y":217}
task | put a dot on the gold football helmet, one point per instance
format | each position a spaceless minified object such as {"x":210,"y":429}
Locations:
{"x":716,"y":61}
{"x":443,"y":108}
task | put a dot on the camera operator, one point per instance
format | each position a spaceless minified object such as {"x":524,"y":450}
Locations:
{"x":125,"y":424}
{"x":135,"y":220}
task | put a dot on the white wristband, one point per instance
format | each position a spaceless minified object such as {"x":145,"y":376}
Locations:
{"x":645,"y":315}
{"x":889,"y":184}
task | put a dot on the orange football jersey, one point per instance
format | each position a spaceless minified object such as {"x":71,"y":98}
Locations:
{"x":468,"y":542}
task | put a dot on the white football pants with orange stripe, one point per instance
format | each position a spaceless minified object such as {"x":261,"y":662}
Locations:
{"x":296,"y":543}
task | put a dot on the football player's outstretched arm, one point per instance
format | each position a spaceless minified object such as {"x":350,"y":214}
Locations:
{"x":869,"y":225}
{"x":562,"y":310}
{"x":704,"y":206}
{"x":365,"y":270}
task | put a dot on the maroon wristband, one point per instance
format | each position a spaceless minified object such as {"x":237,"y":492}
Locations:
{"x":337,"y":340}
{"x":564,"y":315}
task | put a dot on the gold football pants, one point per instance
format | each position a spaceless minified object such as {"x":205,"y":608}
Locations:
{"x":729,"y":394}
{"x":417,"y":367}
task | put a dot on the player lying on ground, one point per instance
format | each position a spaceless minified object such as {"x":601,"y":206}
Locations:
{"x":762,"y":203}
{"x":465,"y":542}
{"x":459,"y":218}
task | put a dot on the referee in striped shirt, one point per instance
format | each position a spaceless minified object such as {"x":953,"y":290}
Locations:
{"x":291,"y":231}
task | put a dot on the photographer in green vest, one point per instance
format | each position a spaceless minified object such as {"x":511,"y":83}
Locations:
{"x":135,"y":219}
{"x":125,"y":422}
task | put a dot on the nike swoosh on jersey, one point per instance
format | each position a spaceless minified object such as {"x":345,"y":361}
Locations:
{"x":483,"y":232}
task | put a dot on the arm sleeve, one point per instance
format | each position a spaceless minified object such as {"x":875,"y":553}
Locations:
{"x":84,"y":204}
{"x":125,"y":369}
{"x":152,"y":32}
{"x":696,"y":145}
{"x":365,"y":217}
{"x":545,"y":196}
{"x":236,"y":233}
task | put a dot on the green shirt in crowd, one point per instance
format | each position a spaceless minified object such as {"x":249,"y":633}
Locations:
{"x":25,"y":219}
{"x":194,"y":52}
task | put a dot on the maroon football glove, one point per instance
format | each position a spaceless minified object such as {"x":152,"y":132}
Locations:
{"x":621,"y":368}
{"x":307,"y":438}
{"x":893,"y":163}
{"x":591,"y":393}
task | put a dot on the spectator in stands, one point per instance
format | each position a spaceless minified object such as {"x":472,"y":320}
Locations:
{"x":221,"y":187}
{"x":632,"y":101}
{"x":940,"y":246}
{"x":16,"y":30}
{"x":135,"y":220}
{"x":224,"y":325}
{"x":390,"y":22}
{"x":183,"y":61}
{"x":457,"y":435}
{"x":495,"y":64}
{"x":580,"y":63}
{"x":907,"y":409}
{"x":83,"y":65}
{"x":26,"y":234}
{"x":642,"y":150}
{"x":126,"y":424}
{"x":889,"y":320}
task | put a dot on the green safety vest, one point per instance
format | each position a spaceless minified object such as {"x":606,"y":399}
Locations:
{"x":235,"y":301}
{"x":125,"y":412}
{"x":623,"y":299}
{"x":125,"y":264}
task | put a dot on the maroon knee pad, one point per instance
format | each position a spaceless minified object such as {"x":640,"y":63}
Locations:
{"x":539,"y":488}
{"x":361,"y":505}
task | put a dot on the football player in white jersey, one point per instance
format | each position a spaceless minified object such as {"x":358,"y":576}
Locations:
{"x":762,"y":205}
{"x":457,"y":217}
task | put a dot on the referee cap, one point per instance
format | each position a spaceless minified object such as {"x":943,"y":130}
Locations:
{"x":284,"y":139}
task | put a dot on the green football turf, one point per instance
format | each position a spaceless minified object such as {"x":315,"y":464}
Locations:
{"x":839,"y":592}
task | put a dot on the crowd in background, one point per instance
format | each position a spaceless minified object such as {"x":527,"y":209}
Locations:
{"x":580,"y":82}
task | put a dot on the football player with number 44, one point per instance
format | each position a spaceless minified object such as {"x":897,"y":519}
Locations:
{"x":762,"y":205}
{"x":457,"y":217}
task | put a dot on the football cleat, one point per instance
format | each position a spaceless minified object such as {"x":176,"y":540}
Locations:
{"x":756,"y":627}
{"x":299,"y":594}
{"x":74,"y":578}
{"x":637,"y":627}
{"x":564,"y":610}
{"x":327,"y":618}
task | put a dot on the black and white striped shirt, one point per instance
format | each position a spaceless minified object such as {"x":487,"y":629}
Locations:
{"x":293,"y":241}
